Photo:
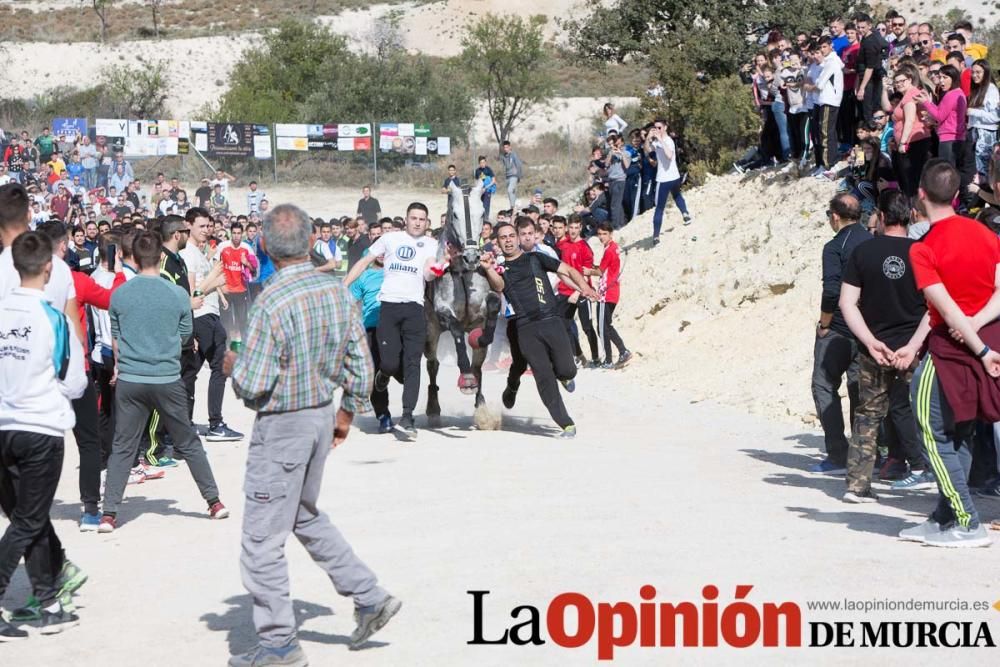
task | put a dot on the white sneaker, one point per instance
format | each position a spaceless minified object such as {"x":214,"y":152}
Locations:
{"x":920,"y":533}
{"x":860,"y":498}
{"x":959,"y":537}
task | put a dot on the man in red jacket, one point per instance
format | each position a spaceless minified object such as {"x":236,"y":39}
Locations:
{"x":609,"y":289}
{"x":576,"y":252}
{"x":957,"y":266}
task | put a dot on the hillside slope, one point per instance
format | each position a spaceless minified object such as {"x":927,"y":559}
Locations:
{"x":725,"y":309}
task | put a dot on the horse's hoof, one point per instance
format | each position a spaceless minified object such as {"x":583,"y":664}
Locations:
{"x":467,"y":384}
{"x":434,"y":421}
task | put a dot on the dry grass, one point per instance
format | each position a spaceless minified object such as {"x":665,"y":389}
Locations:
{"x":188,"y":18}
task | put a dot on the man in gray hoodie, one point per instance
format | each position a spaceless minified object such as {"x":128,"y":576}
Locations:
{"x":513,"y":170}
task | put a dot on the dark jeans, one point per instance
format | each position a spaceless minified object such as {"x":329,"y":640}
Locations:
{"x":544,"y":346}
{"x":872,"y":101}
{"x":211,"y":337}
{"x":910,"y":165}
{"x":647,"y":195}
{"x":608,"y":333}
{"x":105,"y":405}
{"x":617,"y":192}
{"x":234,"y":318}
{"x":380,"y":399}
{"x":672,"y":188}
{"x":87,"y":433}
{"x":402,"y":332}
{"x":582,"y":308}
{"x":834,"y":355}
{"x":797,"y":134}
{"x":632,"y":199}
{"x":135,"y":402}
{"x":30,"y":466}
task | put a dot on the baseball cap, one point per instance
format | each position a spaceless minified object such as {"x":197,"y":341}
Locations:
{"x":530,"y":209}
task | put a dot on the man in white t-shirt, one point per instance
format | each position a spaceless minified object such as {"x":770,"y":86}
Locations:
{"x":668,"y":176}
{"x":222,"y":179}
{"x":410,"y":261}
{"x":205,"y":277}
{"x":15,"y":214}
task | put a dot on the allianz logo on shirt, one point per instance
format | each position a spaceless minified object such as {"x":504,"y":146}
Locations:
{"x":405,"y":253}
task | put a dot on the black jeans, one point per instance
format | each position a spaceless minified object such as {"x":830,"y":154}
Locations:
{"x":402,"y":332}
{"x":834,"y":355}
{"x":211,"y":337}
{"x":547,"y":351}
{"x":605,"y":314}
{"x":105,"y":405}
{"x":632,"y":205}
{"x":797,"y":133}
{"x":87,"y":433}
{"x":30,"y":466}
{"x":380,"y":399}
{"x":910,"y":165}
{"x":873,"y":98}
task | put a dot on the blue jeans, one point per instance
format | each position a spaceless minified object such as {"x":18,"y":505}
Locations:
{"x":673,"y":188}
{"x":778,"y":109}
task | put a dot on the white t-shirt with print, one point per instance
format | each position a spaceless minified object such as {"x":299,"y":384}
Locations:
{"x":405,"y":259}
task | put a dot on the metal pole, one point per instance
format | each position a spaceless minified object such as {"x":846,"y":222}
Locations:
{"x":374,"y":154}
{"x":203,"y":159}
{"x":274,"y":151}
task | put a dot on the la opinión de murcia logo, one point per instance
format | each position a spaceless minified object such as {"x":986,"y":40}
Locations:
{"x":572,"y":620}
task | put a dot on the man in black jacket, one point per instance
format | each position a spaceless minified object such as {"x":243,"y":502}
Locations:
{"x":870,"y":67}
{"x":836,"y":350}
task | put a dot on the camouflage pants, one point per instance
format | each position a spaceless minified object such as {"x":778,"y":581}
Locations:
{"x":875,"y":383}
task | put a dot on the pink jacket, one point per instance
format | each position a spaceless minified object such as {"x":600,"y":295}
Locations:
{"x":950,"y":115}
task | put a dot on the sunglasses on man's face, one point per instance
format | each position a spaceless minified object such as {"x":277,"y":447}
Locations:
{"x":898,"y":24}
{"x":925,"y":42}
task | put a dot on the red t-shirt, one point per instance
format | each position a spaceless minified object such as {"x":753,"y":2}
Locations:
{"x":961,"y":254}
{"x":232,"y":266}
{"x":611,"y":270}
{"x":850,"y":58}
{"x":578,"y":255}
{"x":965,"y":82}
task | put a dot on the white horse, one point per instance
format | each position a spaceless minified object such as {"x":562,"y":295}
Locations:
{"x":461,"y":300}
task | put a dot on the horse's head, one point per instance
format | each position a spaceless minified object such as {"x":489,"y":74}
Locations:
{"x":465,"y":220}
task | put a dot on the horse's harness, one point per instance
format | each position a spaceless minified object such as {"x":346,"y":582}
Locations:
{"x":471,"y":250}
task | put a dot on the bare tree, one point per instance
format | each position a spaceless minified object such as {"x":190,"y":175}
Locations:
{"x":103,"y":10}
{"x":155,"y":6}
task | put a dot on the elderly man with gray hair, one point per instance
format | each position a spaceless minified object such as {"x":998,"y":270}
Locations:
{"x":305,"y":339}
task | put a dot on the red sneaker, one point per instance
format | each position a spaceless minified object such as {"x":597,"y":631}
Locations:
{"x":107,"y":524}
{"x":218,"y":511}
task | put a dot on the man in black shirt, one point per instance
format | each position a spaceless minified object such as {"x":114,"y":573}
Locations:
{"x":540,"y":334}
{"x":835,"y":351}
{"x":368,"y":206}
{"x":884,"y":310}
{"x":357,"y":243}
{"x":203,"y":194}
{"x":870,"y":66}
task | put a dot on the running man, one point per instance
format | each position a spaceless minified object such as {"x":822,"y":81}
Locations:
{"x":410,"y":261}
{"x":541,"y":335}
{"x":957,"y":266}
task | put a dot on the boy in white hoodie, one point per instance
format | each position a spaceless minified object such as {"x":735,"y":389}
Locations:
{"x":41,"y":372}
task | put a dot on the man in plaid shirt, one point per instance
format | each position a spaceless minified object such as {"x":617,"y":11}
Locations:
{"x":305,"y":339}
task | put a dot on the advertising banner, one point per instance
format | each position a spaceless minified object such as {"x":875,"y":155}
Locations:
{"x":230,"y":139}
{"x":69,"y":127}
{"x":262,"y":142}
